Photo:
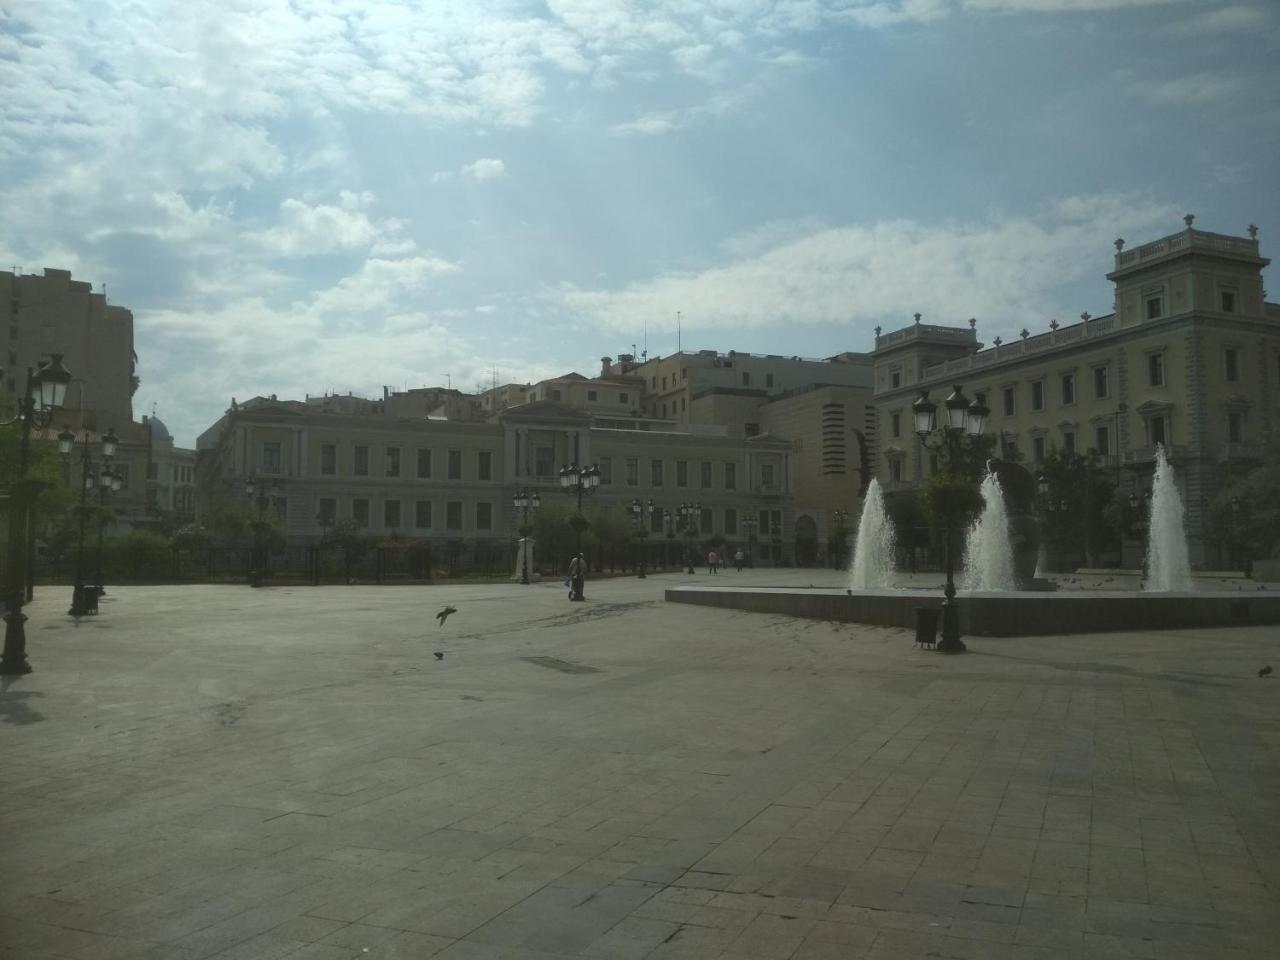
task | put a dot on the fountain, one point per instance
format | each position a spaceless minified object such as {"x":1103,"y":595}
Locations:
{"x":1168,"y":566}
{"x":873,"y":550}
{"x":988,"y":561}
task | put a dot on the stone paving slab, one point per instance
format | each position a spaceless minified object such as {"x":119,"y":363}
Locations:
{"x":219,"y":772}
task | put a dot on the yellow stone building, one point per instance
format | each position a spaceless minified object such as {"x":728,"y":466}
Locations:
{"x":1189,"y":358}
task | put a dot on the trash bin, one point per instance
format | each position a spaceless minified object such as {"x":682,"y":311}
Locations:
{"x":927,"y":625}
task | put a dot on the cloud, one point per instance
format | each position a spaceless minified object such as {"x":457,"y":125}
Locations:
{"x":486,"y":168}
{"x":1238,"y":18}
{"x":658,"y":122}
{"x":1192,"y":90}
{"x":1062,"y":6}
{"x":1000,"y":269}
{"x":326,"y":228}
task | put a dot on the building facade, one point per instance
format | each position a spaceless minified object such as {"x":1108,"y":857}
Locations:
{"x":1188,"y":359}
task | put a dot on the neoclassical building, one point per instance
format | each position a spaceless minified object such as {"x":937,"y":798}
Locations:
{"x":1189,"y":358}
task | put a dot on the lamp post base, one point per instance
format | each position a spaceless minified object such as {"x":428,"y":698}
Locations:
{"x":950,"y":641}
{"x":14,"y":662}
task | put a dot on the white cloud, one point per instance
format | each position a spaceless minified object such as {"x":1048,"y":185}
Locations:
{"x":486,"y":168}
{"x":1192,"y":90}
{"x":1062,"y":6}
{"x":325,"y":228}
{"x":1000,"y":270}
{"x":1233,"y":19}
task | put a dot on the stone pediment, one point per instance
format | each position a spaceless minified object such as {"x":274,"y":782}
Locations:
{"x":1154,"y":407}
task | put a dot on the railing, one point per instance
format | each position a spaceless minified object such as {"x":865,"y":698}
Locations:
{"x":1147,"y":454}
{"x":1019,"y":348}
{"x":1240,"y":451}
{"x":1187,"y":239}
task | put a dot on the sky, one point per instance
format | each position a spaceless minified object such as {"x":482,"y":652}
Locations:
{"x":308,"y":196}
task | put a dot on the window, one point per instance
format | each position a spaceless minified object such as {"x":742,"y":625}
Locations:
{"x":1228,"y":299}
{"x":1102,"y":440}
{"x":1037,"y":395}
{"x":271,"y":457}
{"x":1037,"y":449}
{"x":655,"y":473}
{"x":328,"y":511}
{"x":633,"y":471}
{"x":1232,"y":357}
{"x":624,"y":398}
{"x":664,"y":409}
{"x":751,"y":429}
{"x":555,"y":394}
{"x":453,"y":515}
{"x":391,"y":514}
{"x":1068,"y":389}
{"x":704,"y":521}
{"x":775,"y":523}
{"x":664,"y":382}
{"x":746,"y":379}
{"x":484,"y":468}
{"x":591,"y":396}
{"x":766,"y":474}
{"x":895,"y":378}
{"x":768,"y":379}
{"x":328,"y":459}
{"x":393,"y":461}
{"x":1155,"y":369}
{"x":1101,"y":389}
{"x":1154,"y":307}
{"x":122,"y":471}
{"x":543,"y":461}
{"x":706,"y":475}
{"x":1235,"y":427}
{"x":606,"y":469}
{"x":360,"y":512}
{"x":1007,"y":393}
{"x":731,"y":476}
{"x":455,"y":465}
{"x":424,"y":464}
{"x":895,"y":424}
{"x":1068,"y":441}
{"x":895,"y":470}
{"x":361,"y":463}
{"x":422,"y":514}
{"x":682,"y":473}
{"x":1156,"y":431}
{"x":484,"y":516}
{"x":655,"y":518}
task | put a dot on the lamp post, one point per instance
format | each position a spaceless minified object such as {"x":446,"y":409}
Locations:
{"x":962,"y":419}
{"x":524,"y":501}
{"x":108,"y":482}
{"x":45,"y":392}
{"x":750,"y":524}
{"x":643,"y":516}
{"x":263,"y":494}
{"x":79,"y":605}
{"x":689,"y":515}
{"x":579,"y":481}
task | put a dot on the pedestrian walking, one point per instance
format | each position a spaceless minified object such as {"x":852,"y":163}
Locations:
{"x":577,"y":576}
{"x":737,"y":558}
{"x":713,"y":561}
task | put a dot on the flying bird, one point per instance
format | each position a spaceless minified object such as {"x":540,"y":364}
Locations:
{"x":439,"y":655}
{"x":1265,"y":671}
{"x":443,"y":615}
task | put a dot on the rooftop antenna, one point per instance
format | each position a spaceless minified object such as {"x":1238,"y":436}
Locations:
{"x":679,"y":347}
{"x":448,"y":379}
{"x":645,"y":354}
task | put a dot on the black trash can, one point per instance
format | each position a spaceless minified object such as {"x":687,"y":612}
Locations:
{"x":927,"y":625}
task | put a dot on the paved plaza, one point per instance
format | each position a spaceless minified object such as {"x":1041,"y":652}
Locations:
{"x":215,"y":771}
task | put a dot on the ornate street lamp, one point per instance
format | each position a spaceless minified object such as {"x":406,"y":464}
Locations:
{"x":264,"y":494}
{"x":750,"y":524}
{"x":109,"y":481}
{"x":961,"y":420}
{"x":524,"y":501}
{"x":689,"y":516}
{"x":45,"y":392}
{"x":579,"y":481}
{"x":643,"y":517}
{"x":840,"y":523}
{"x":80,"y":605}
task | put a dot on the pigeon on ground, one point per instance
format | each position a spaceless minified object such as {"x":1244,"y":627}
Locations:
{"x":443,"y":615}
{"x":439,"y":655}
{"x":1265,"y":671}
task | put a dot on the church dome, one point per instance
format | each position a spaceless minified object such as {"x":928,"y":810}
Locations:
{"x":159,"y":432}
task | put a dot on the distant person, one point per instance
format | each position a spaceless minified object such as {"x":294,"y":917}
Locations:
{"x":577,"y":576}
{"x":713,"y":561}
{"x":737,"y":558}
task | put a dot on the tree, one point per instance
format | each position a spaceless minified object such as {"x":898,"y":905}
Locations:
{"x":1245,"y":514}
{"x":553,"y":529}
{"x":348,"y":536}
{"x":1079,"y":519}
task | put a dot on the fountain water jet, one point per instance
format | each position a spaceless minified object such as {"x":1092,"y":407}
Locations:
{"x":873,"y":550}
{"x":988,"y":561}
{"x":1168,"y":564}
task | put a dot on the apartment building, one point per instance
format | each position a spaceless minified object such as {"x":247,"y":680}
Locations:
{"x":1189,"y":359}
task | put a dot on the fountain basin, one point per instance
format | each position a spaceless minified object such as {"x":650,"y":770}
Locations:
{"x":1002,"y":613}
